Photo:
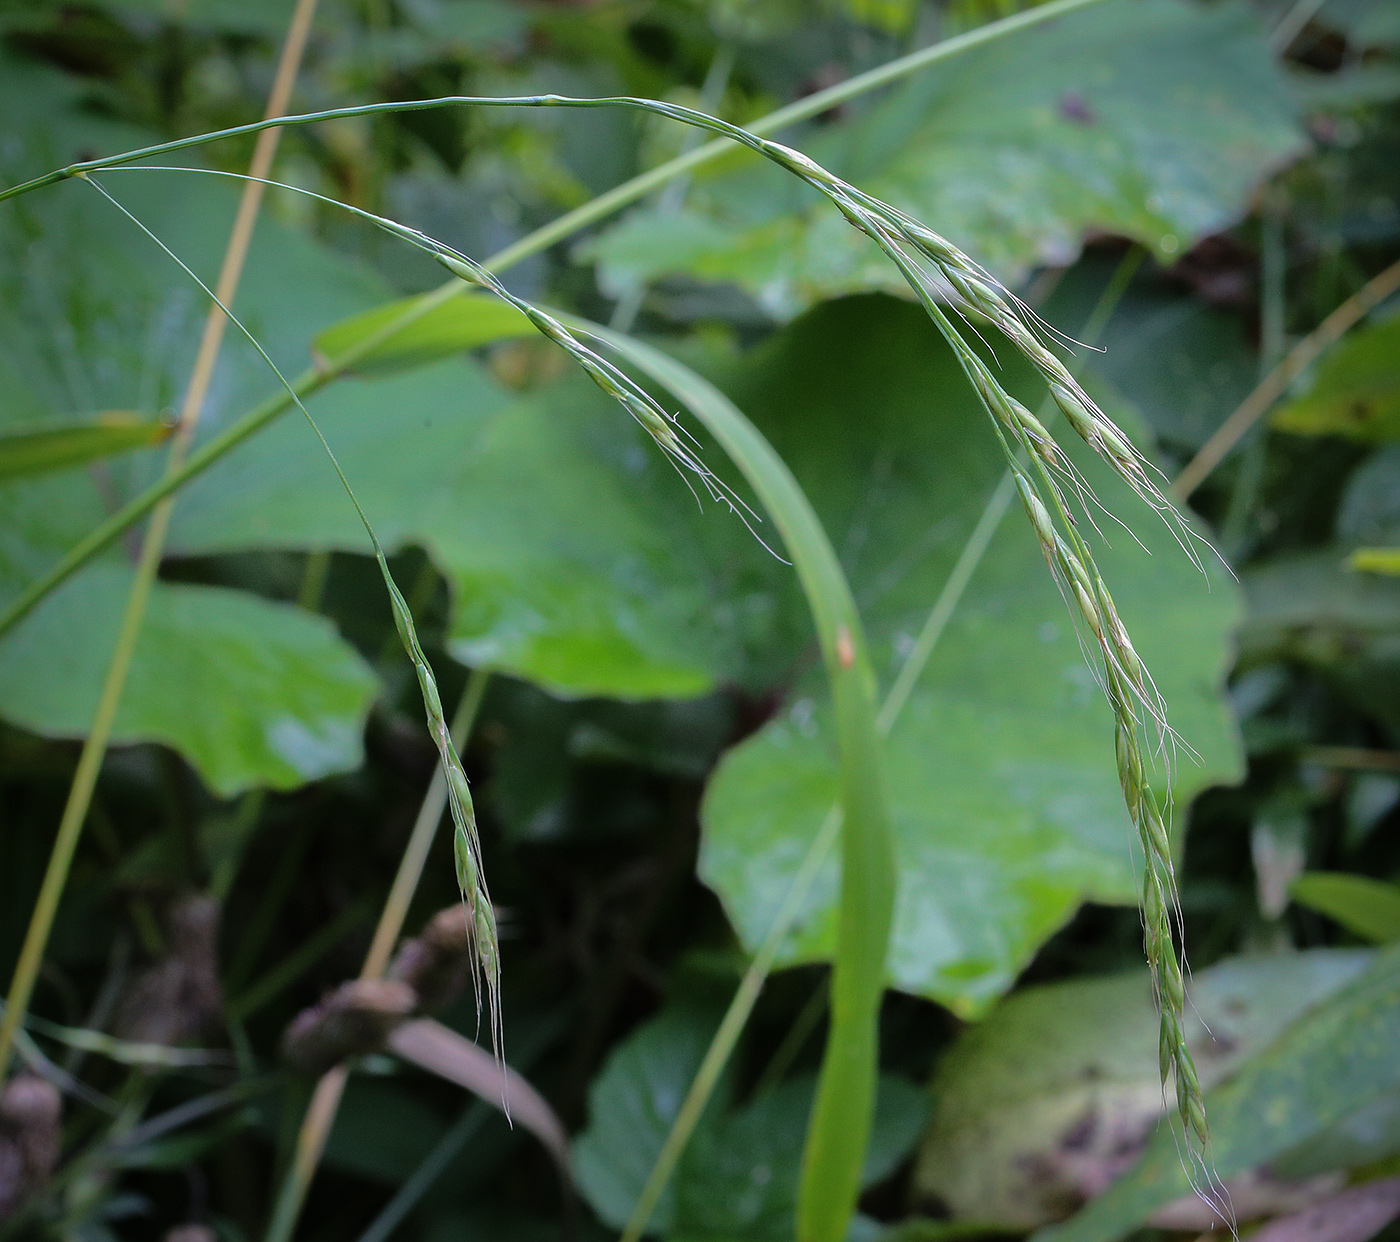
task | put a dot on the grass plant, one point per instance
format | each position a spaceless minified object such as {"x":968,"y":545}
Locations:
{"x":949,"y":286}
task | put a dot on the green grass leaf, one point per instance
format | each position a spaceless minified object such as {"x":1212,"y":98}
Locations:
{"x":1367,"y":908}
{"x":1154,"y":120}
{"x":452,"y":327}
{"x":57,"y":448}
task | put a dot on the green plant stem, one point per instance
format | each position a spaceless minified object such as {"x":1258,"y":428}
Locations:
{"x":109,"y":700}
{"x":1275,"y":384}
{"x":751,"y":985}
{"x":313,"y":580}
{"x":639,"y":186}
{"x":36,"y":936}
{"x":843,"y":1110}
{"x":325,"y":1101}
{"x":327,"y":370}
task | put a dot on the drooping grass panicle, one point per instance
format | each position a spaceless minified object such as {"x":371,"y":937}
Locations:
{"x":945,"y":280}
{"x":665,"y":428}
{"x":467,"y":846}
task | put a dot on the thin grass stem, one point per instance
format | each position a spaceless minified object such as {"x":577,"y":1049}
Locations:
{"x":325,"y":1102}
{"x":741,"y":1006}
{"x":639,"y":186}
{"x":114,"y":683}
{"x":1275,"y":384}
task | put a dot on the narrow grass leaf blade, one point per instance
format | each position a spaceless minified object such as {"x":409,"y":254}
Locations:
{"x":463,"y":322}
{"x":57,"y":448}
{"x":1367,"y":908}
{"x":844,"y":1108}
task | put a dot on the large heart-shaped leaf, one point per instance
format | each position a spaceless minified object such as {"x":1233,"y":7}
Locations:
{"x":93,"y":317}
{"x":249,"y":691}
{"x":1153,"y":119}
{"x":1054,"y":1094}
{"x":1334,"y":1062}
{"x":1001,"y":773}
{"x":737,"y":1181}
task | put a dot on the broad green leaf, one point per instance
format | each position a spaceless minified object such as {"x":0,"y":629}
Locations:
{"x":1002,"y":780}
{"x":1356,"y":391}
{"x":251,"y":692}
{"x":55,"y":448}
{"x":1367,"y":908}
{"x":738,"y":1178}
{"x":1336,"y":1060}
{"x":92,"y":316}
{"x":460,"y":323}
{"x":562,"y":533}
{"x":1310,"y":609}
{"x":1153,"y":119}
{"x":1056,"y":1091}
{"x":631,"y":1105}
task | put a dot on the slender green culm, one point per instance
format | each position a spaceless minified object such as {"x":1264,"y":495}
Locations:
{"x":642,"y":185}
{"x":471,"y":879}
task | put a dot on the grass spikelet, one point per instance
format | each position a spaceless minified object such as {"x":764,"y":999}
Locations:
{"x":1125,"y":680}
{"x":467,"y":846}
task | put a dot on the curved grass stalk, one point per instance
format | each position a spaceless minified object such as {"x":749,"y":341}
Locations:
{"x":327,"y":370}
{"x":845,"y":1103}
{"x":481,"y":919}
{"x":640,"y":186}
